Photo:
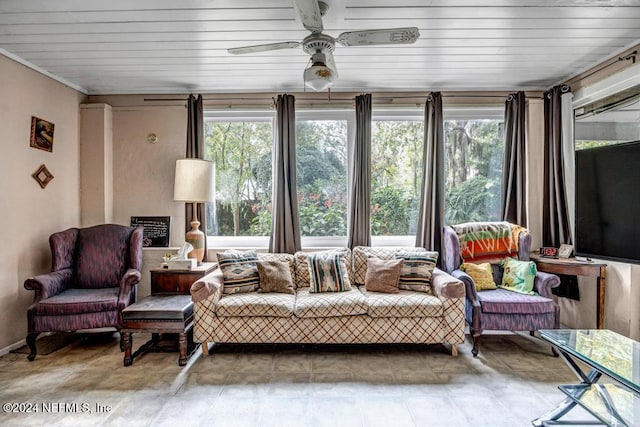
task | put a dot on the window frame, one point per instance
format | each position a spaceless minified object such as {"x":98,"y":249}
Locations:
{"x":495,"y":112}
{"x":240,"y":116}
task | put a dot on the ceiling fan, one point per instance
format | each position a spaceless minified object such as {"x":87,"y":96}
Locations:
{"x":322,"y":71}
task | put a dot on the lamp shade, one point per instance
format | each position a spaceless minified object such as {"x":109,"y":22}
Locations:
{"x":195,"y":181}
{"x":318,"y":77}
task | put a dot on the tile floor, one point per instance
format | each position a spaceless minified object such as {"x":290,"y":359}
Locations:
{"x":512,"y":381}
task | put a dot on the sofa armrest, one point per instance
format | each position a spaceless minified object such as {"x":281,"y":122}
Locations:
{"x":208,"y":286}
{"x":544,"y":282}
{"x":50,"y":284}
{"x":445,"y":285}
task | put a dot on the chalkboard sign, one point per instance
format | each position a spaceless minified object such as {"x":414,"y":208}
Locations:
{"x":156,"y":230}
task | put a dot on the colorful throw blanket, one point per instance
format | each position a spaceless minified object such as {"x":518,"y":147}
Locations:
{"x":488,"y":241}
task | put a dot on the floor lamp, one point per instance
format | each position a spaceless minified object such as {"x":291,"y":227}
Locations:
{"x":195,"y":183}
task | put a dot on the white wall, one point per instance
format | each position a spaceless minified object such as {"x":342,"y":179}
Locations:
{"x":29,"y":213}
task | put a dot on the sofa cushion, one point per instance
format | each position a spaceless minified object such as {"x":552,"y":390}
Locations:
{"x":288,"y":258}
{"x":275,"y":276}
{"x":302,"y":276}
{"x":502,"y":301}
{"x":329,"y":304}
{"x":328,"y":272}
{"x":362,"y":253}
{"x":102,"y":253}
{"x":403,"y":304}
{"x":383,"y":275}
{"x":416,"y":270}
{"x":239,"y":271}
{"x":254,"y":304}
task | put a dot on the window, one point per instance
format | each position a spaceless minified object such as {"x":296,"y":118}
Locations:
{"x":474,"y":151}
{"x":240,"y":146}
{"x":321,"y":154}
{"x":396,"y":172}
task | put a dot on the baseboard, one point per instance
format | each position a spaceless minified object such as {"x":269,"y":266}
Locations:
{"x":7,"y":349}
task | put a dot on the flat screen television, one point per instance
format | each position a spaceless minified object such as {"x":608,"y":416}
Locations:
{"x":608,"y":202}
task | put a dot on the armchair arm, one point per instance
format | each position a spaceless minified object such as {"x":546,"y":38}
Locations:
{"x":469,"y":285}
{"x":445,"y":285}
{"x":127,"y":282}
{"x":50,"y":284}
{"x":209,"y":285}
{"x":544,"y":282}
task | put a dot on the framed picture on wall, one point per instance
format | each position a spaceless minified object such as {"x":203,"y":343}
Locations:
{"x":41,"y":134}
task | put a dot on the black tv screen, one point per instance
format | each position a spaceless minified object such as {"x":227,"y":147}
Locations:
{"x":608,"y":202}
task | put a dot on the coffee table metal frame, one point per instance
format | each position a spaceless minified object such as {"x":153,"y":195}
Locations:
{"x":588,"y":382}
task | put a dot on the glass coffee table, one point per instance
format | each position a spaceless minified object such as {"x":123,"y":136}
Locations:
{"x":616,"y":401}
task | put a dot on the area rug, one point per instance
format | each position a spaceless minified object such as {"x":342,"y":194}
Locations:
{"x":48,"y":344}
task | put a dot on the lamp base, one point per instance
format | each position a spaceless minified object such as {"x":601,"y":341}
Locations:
{"x":195,"y":237}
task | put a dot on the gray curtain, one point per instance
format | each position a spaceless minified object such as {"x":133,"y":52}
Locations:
{"x":555,"y":224}
{"x":285,"y":231}
{"x":195,"y":150}
{"x":431,"y":214}
{"x":514,"y":183}
{"x":360,"y":206}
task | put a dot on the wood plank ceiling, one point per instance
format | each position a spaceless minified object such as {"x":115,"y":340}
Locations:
{"x":168,"y":46}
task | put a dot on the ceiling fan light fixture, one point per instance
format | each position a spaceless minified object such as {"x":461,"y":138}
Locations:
{"x":318,"y":76}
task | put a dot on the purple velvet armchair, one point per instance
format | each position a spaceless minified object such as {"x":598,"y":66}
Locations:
{"x":501,"y":309}
{"x":94,"y":273}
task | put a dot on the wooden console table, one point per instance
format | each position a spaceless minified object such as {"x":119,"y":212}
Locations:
{"x":573,"y":267}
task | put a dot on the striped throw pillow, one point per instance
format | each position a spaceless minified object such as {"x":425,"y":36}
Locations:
{"x":239,"y":271}
{"x":328,"y":272}
{"x":416,"y":270}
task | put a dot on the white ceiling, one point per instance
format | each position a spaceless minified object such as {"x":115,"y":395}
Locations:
{"x":168,"y":46}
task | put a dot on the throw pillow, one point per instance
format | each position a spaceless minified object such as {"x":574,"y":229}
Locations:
{"x":482,"y":275}
{"x":239,"y":271}
{"x":518,"y":275}
{"x":302,"y":273}
{"x":275,"y":276}
{"x":328,"y":272}
{"x":416,"y":270}
{"x":383,"y":275}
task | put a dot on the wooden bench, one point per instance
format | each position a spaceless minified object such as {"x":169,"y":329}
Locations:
{"x":157,"y":314}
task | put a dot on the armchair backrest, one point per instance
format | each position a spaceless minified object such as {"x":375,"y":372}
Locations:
{"x":452,"y":254}
{"x":99,"y":255}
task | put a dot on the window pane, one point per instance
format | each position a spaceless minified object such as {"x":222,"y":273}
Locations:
{"x":474,"y":151}
{"x":242,"y":153}
{"x":396,"y":176}
{"x":321,"y":154}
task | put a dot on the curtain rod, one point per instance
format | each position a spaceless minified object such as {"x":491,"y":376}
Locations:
{"x":255,"y":98}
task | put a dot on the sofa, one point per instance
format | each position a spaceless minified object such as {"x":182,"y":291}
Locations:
{"x":353,"y":316}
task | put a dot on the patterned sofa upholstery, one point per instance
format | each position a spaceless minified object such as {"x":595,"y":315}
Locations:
{"x":502,"y":309}
{"x":94,"y":272}
{"x":354,"y":316}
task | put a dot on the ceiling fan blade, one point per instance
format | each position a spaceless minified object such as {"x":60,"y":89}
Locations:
{"x":263,"y":47}
{"x":330,"y":62}
{"x":308,"y":12}
{"x":376,"y":37}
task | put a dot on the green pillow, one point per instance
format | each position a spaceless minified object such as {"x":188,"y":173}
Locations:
{"x":518,"y":276}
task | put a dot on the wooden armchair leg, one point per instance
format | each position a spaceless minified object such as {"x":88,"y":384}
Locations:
{"x":475,"y":337}
{"x":31,"y":342}
{"x":205,"y":349}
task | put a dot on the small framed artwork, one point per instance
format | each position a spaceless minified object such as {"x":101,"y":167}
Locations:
{"x":42,"y":176}
{"x":565,"y":251}
{"x":41,"y":134}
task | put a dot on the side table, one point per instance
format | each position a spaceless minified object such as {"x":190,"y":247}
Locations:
{"x":574,"y":267}
{"x":172,"y":281}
